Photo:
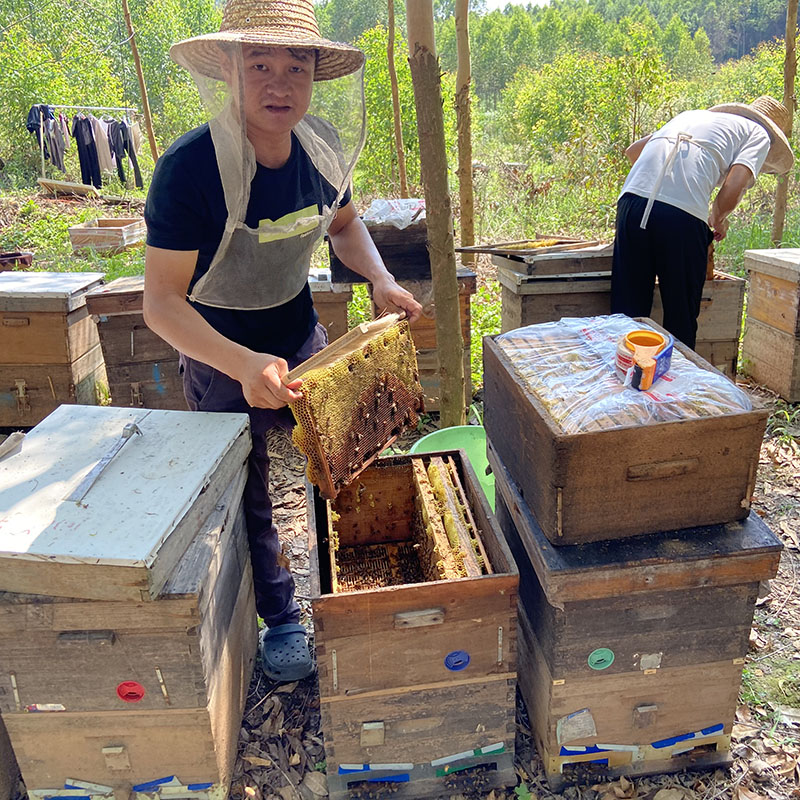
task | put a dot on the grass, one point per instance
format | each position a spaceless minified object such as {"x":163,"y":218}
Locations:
{"x":770,"y":684}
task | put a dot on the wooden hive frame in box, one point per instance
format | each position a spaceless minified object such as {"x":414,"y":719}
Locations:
{"x":417,"y":672}
{"x":359,"y":394}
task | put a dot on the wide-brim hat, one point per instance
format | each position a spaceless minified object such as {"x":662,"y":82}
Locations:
{"x":272,"y":23}
{"x":773,"y":116}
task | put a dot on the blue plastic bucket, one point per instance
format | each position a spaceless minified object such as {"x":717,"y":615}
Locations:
{"x":469,"y":438}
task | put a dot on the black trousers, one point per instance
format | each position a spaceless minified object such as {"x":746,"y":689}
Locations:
{"x":673,"y":248}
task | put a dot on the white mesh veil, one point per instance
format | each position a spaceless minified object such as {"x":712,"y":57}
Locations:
{"x":264,"y":266}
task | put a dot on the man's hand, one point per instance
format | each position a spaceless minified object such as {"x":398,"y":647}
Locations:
{"x":719,"y":225}
{"x":387,"y":294}
{"x":261,"y":376}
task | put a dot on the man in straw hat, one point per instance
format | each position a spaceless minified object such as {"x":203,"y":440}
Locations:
{"x":234,"y":212}
{"x":664,"y":227}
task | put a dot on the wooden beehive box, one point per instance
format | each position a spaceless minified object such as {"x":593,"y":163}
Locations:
{"x":330,"y":302}
{"x":130,"y":692}
{"x":404,"y":252}
{"x":417,"y":677}
{"x":120,"y":538}
{"x":423,"y":332}
{"x":625,"y":481}
{"x":771,"y":344}
{"x":142,"y":368}
{"x":107,"y":234}
{"x":577,"y":283}
{"x":631,"y":651}
{"x":49,"y":348}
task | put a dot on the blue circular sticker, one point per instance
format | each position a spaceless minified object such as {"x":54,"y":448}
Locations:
{"x":457,"y":660}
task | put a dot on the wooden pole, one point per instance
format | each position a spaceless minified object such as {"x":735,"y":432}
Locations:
{"x":425,"y":76}
{"x":789,"y":74}
{"x":148,"y":121}
{"x":464,"y":123}
{"x":398,"y":129}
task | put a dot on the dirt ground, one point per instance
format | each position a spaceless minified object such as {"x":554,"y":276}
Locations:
{"x":281,"y":745}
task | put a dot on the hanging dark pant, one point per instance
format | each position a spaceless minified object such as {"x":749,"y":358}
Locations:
{"x":207,"y":389}
{"x":674,"y":249}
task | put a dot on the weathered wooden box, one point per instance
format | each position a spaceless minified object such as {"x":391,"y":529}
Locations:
{"x":771,"y":344}
{"x":578,"y":284}
{"x":404,"y":252}
{"x":142,"y":368}
{"x":107,"y":234}
{"x":631,"y":651}
{"x":129,"y":692}
{"x":625,"y":481}
{"x":423,"y":332}
{"x":120,"y":537}
{"x":417,"y":678}
{"x":49,"y":348}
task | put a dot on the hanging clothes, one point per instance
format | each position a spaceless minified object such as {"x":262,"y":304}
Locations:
{"x":55,"y":139}
{"x":87,"y":150}
{"x":136,"y":136}
{"x":64,"y":125}
{"x":42,"y":124}
{"x":100,"y":130}
{"x":119,"y":134}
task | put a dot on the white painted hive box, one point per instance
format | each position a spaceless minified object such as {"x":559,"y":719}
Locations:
{"x":124,"y":537}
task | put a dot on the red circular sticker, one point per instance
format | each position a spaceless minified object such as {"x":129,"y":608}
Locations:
{"x":130,"y":691}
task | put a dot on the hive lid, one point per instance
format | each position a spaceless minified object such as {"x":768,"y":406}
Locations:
{"x":127,"y":532}
{"x":122,"y":295}
{"x":781,"y":262}
{"x":359,"y":394}
{"x":46,"y":291}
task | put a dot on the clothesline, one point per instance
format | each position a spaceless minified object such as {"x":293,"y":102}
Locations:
{"x":122,"y":146}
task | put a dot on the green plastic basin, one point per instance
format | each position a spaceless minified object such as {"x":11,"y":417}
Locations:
{"x":469,"y":438}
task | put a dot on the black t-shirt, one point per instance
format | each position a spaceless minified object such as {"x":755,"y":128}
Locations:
{"x":186,"y":210}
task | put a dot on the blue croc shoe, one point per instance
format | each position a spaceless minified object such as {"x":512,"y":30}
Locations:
{"x":284,"y":653}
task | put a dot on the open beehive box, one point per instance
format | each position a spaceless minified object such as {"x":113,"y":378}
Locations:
{"x":107,"y":234}
{"x":359,"y":394}
{"x":413,"y":592}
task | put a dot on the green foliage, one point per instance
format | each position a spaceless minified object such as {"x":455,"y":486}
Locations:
{"x":485,"y":321}
{"x":359,"y":309}
{"x":784,"y":423}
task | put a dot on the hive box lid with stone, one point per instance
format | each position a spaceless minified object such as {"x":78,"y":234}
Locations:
{"x":122,"y":540}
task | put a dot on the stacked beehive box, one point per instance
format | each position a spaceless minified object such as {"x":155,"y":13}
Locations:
{"x":639,"y":568}
{"x":127,"y":619}
{"x":49,"y":348}
{"x":577,"y":283}
{"x":416,"y":650}
{"x":142,"y":368}
{"x":771,"y":344}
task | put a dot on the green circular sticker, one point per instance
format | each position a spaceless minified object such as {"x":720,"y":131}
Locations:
{"x":602,"y":658}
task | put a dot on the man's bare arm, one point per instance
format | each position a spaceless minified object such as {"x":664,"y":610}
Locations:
{"x":354,"y":246}
{"x":738,"y":180}
{"x":634,"y":150}
{"x":167,"y":312}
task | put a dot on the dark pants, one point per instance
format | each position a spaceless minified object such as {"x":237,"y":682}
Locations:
{"x":674,"y":248}
{"x":207,"y":389}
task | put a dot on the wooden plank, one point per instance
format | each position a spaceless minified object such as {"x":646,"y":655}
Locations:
{"x":723,"y":355}
{"x":717,"y":555}
{"x":67,"y":188}
{"x":107,"y":234}
{"x":774,"y":301}
{"x":771,"y":357}
{"x":174,"y":462}
{"x":45,"y":387}
{"x":518,"y":248}
{"x":580,"y":495}
{"x":46,"y":291}
{"x":422,"y":725}
{"x":596,"y":258}
{"x":121,"y":296}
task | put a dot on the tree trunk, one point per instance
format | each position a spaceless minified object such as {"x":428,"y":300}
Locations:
{"x":398,"y":129}
{"x":464,"y":118}
{"x":433,"y":160}
{"x":148,"y":121}
{"x":789,"y":72}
